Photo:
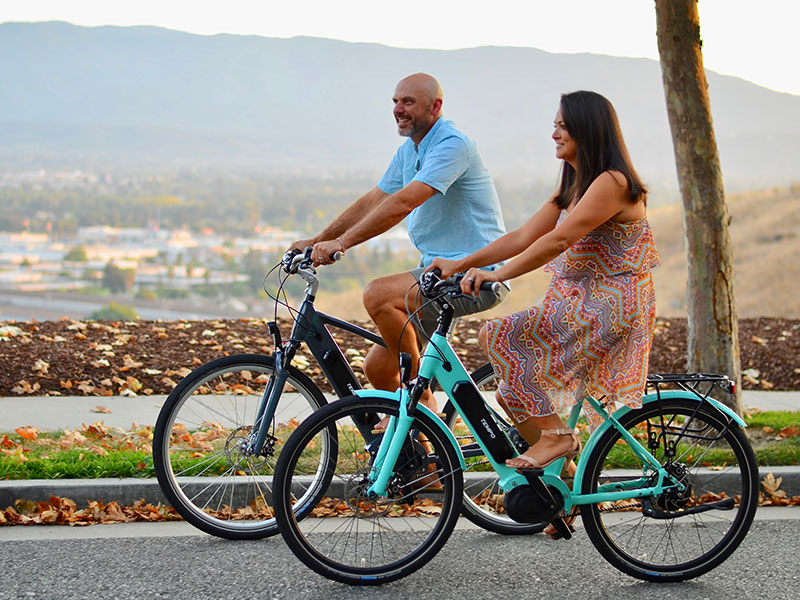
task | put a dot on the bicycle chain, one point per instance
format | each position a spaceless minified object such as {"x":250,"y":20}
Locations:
{"x":618,"y":507}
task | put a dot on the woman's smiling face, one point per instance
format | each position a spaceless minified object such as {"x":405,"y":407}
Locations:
{"x":566,"y":147}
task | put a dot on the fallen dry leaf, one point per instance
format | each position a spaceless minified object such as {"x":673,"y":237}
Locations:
{"x":101,"y":409}
{"x":28,"y":433}
{"x":129,"y":363}
{"x":87,"y":387}
{"x":41,"y":366}
{"x":771,"y":485}
{"x":133,"y":383}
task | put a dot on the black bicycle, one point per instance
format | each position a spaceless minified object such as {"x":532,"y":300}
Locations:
{"x":220,"y":431}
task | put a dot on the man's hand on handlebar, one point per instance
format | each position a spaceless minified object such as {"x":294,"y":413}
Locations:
{"x":301,"y":245}
{"x":324,"y":253}
{"x":327,"y":253}
{"x":446,"y":266}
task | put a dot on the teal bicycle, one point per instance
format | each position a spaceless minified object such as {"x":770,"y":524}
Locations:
{"x":666,"y":492}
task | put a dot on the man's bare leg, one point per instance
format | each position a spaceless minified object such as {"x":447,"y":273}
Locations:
{"x":384,"y":299}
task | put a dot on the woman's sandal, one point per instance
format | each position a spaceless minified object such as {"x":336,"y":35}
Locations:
{"x":571,"y":453}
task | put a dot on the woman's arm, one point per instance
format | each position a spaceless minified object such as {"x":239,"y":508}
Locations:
{"x":605,"y":198}
{"x":504,"y":247}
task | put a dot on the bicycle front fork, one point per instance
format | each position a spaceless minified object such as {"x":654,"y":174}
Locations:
{"x":261,"y":442}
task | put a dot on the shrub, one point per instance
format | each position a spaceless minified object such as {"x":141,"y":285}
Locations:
{"x":115,"y":312}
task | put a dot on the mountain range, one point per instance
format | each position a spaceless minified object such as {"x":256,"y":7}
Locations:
{"x":148,"y":97}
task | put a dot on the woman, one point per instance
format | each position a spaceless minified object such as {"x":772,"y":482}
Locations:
{"x":591,"y":334}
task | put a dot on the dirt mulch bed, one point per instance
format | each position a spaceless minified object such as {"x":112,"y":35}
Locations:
{"x":148,"y":357}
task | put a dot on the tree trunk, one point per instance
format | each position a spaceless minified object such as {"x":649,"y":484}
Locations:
{"x":713,"y":344}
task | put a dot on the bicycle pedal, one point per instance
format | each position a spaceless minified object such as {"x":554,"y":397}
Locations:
{"x":564,"y":529}
{"x":530,"y":471}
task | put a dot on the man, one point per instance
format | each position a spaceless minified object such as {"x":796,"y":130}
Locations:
{"x":439,"y":184}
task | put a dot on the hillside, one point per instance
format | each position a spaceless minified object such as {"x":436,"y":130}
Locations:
{"x":765,"y":230}
{"x":129,"y":97}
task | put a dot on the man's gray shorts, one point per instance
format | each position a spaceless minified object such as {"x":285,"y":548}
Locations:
{"x":465,"y":305}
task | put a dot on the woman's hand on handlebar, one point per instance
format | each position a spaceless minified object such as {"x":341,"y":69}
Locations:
{"x":473,"y":278}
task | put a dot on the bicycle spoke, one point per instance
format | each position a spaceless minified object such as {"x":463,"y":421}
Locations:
{"x":201,"y":439}
{"x":350,"y":535}
{"x":683,"y":540}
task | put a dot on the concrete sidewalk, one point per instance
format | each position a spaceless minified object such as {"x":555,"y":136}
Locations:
{"x":68,"y":412}
{"x":49,"y":413}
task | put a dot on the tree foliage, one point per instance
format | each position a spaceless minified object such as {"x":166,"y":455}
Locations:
{"x":117,"y":280}
{"x":115,"y":312}
{"x":76,"y":254}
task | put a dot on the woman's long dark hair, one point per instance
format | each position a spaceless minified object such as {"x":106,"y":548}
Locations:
{"x":592,"y":122}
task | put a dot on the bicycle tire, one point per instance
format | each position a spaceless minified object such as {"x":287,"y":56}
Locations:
{"x":483,"y":498}
{"x":195,"y":445}
{"x":358,"y":540}
{"x":680,"y":544}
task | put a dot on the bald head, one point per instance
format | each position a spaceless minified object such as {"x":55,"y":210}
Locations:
{"x":423,"y":85}
{"x":417,"y":105}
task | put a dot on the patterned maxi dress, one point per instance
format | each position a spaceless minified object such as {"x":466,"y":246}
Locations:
{"x":591,"y":334}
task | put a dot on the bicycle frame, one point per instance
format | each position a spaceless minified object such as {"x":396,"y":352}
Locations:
{"x":439,"y":361}
{"x":310,"y":327}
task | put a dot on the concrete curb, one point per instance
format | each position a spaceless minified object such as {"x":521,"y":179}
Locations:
{"x":128,"y":491}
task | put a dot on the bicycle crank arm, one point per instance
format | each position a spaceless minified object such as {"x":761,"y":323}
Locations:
{"x":656,"y":513}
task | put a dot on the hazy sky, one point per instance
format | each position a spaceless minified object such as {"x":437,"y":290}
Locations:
{"x":752,"y":39}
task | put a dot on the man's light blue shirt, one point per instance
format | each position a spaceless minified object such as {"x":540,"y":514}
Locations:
{"x":464,"y":215}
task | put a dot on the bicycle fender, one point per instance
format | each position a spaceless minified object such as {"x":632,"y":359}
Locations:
{"x":383,"y":394}
{"x":690,"y":396}
{"x":648,"y":398}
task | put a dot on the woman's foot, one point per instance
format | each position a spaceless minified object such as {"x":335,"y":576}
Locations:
{"x":384,"y":422}
{"x":552,"y":445}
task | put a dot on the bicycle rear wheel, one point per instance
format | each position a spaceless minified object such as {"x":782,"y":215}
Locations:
{"x":348,"y":536}
{"x":679,"y":534}
{"x":199,"y":437}
{"x":483,"y":501}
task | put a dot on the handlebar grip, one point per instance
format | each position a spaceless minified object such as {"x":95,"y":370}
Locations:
{"x":338,"y":255}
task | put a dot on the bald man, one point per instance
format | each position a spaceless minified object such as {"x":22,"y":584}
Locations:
{"x":438,"y":183}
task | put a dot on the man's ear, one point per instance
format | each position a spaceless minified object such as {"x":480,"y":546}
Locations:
{"x":437,"y":106}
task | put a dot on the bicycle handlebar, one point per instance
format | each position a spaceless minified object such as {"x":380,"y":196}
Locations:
{"x":296,"y":259}
{"x":432,"y":285}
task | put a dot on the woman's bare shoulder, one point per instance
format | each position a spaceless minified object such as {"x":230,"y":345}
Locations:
{"x":615,"y":176}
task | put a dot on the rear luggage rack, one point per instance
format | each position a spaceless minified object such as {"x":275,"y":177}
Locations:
{"x":700,"y":384}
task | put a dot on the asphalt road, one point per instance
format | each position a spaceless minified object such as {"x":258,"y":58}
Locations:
{"x":170,"y":561}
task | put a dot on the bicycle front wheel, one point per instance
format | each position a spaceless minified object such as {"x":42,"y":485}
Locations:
{"x":199,"y":442}
{"x":687,"y":531}
{"x":354,"y":538}
{"x":483,"y":501}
